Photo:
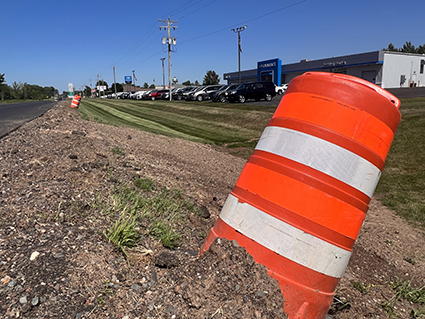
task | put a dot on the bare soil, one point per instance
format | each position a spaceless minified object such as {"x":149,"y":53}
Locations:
{"x":55,"y":262}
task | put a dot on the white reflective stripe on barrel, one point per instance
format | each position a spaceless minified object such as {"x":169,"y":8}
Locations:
{"x":321,"y":155}
{"x":284,"y":239}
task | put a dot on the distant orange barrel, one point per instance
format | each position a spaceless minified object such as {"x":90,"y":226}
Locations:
{"x":302,"y":197}
{"x":76,"y":101}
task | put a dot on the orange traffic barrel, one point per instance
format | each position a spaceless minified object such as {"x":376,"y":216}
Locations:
{"x":302,"y":197}
{"x":76,"y":101}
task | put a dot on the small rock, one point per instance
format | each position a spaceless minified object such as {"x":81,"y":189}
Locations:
{"x":73,"y":156}
{"x":34,"y":255}
{"x":23,"y":300}
{"x":34,"y":301}
{"x":78,"y":133}
{"x":260,"y":294}
{"x":235,"y":244}
{"x":136,"y":287}
{"x":11,"y":284}
{"x":58,"y":255}
{"x":5,"y":280}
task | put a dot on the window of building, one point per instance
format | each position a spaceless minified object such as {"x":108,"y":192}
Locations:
{"x":422,"y":66}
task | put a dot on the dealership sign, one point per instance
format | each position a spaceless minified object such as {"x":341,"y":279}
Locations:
{"x":334,"y":63}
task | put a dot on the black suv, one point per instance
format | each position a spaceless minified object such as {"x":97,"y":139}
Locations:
{"x":252,"y":90}
{"x":220,"y":95}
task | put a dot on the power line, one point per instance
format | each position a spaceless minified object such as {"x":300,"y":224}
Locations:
{"x":197,"y":9}
{"x":246,"y":21}
{"x":182,"y":8}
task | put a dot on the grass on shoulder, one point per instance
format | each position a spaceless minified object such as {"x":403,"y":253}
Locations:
{"x":225,"y":124}
{"x":142,"y":210}
{"x":405,"y":290}
{"x":402,"y":183}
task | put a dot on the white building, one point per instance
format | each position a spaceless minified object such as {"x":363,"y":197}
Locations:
{"x":384,"y":68}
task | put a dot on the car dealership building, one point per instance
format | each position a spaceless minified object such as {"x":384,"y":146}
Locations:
{"x":384,"y":68}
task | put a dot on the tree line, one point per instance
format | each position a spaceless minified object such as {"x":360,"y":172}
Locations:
{"x":408,"y":47}
{"x":23,"y":91}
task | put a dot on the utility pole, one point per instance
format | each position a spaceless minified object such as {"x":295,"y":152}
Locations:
{"x":163,"y":72}
{"x":170,"y":41}
{"x":238,"y":31}
{"x":134,"y":79}
{"x":98,"y":82}
{"x":115,"y":81}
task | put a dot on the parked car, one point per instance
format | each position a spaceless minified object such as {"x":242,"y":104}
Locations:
{"x":220,"y":95}
{"x":166,"y":95}
{"x":118,"y":95}
{"x":203,"y":93}
{"x":179,"y":94}
{"x":156,"y":94}
{"x":252,"y":90}
{"x":124,"y":95}
{"x":143,"y":95}
{"x":185,"y":94}
{"x":281,"y":89}
{"x":135,"y":94}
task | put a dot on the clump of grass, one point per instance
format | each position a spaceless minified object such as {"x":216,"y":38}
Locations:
{"x":405,"y":290}
{"x":118,"y":151}
{"x":169,"y":238}
{"x":123,"y":233}
{"x":144,"y":183}
{"x":360,"y":287}
{"x":157,"y":212}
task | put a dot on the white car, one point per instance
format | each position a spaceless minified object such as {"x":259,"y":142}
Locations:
{"x":281,"y":89}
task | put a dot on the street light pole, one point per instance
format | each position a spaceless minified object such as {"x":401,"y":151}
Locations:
{"x":163,"y":72}
{"x":238,"y":31}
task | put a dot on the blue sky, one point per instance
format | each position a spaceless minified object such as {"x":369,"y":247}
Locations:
{"x":54,"y":42}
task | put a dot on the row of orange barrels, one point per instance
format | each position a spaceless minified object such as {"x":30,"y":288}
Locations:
{"x":76,"y":101}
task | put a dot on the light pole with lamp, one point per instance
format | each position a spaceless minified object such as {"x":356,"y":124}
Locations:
{"x":238,"y":31}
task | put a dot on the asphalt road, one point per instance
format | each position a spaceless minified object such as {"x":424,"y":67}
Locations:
{"x":14,"y":115}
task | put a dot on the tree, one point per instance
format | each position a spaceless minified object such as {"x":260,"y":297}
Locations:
{"x":87,"y":91}
{"x":211,"y":78}
{"x":145,"y":85}
{"x":17,"y":90}
{"x":408,"y":47}
{"x":119,"y":87}
{"x":187,"y":83}
{"x":2,"y":80}
{"x":152,"y":86}
{"x":391,"y":48}
{"x":197,"y":83}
